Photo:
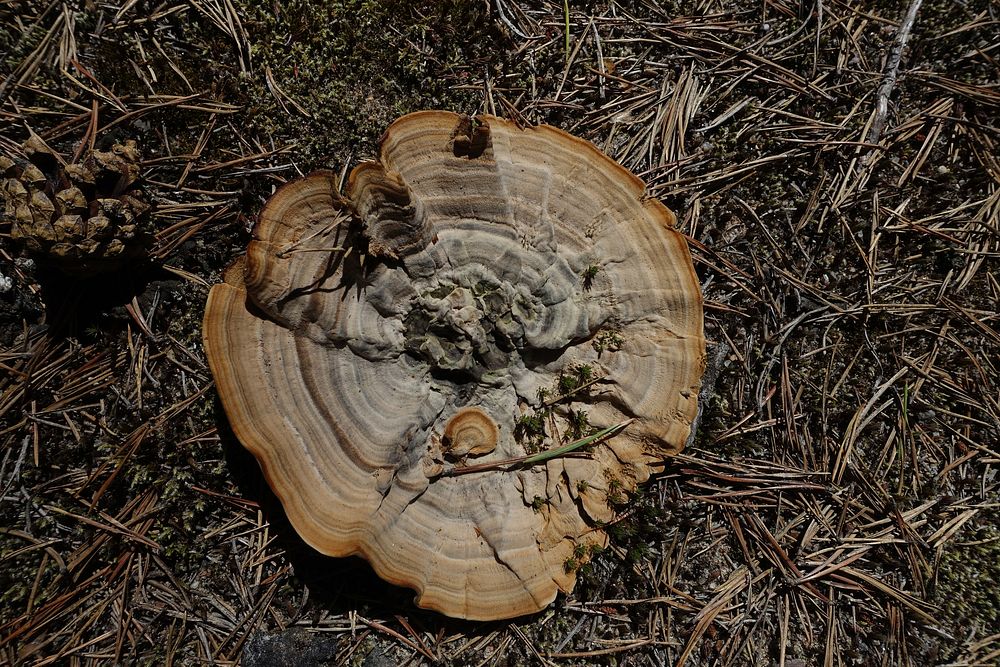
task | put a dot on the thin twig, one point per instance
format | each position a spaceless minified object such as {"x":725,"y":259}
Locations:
{"x":891,"y":72}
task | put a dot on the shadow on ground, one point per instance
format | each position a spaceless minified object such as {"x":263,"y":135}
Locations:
{"x":73,"y":305}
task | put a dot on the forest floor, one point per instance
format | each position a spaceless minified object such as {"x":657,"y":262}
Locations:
{"x":834,"y":165}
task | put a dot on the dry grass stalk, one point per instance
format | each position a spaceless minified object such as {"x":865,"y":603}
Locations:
{"x":845,"y":475}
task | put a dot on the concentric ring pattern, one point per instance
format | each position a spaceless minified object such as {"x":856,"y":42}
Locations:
{"x":475,"y":264}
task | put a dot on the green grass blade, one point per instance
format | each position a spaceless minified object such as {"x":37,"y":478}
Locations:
{"x":576,"y":444}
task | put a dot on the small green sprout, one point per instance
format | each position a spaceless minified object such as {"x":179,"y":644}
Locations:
{"x":616,"y":495}
{"x":579,"y":423}
{"x":567,"y":383}
{"x":529,"y":426}
{"x":608,"y":340}
{"x":537,"y":503}
{"x":638,"y":553}
{"x":582,"y":486}
{"x":623,"y":531}
{"x":589,"y":274}
{"x":579,"y":551}
{"x":571,"y":565}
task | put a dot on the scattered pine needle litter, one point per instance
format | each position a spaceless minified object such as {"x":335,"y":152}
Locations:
{"x":835,"y":167}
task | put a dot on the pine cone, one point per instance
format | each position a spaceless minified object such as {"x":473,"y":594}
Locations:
{"x":85,"y":218}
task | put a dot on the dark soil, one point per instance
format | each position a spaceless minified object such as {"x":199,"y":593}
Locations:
{"x":839,"y":503}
